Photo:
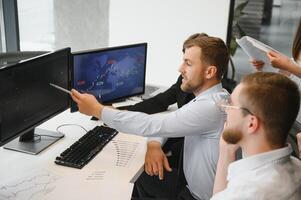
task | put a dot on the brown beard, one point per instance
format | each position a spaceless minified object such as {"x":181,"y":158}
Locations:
{"x":232,"y":136}
{"x":191,"y":89}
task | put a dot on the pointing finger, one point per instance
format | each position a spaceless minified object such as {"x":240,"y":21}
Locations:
{"x":76,"y":93}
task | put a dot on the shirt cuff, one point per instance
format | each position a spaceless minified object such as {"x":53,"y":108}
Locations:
{"x":107,"y":116}
{"x":161,"y":140}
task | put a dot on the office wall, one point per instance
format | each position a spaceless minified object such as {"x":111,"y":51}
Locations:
{"x":36,"y":25}
{"x":81,"y":24}
{"x":53,"y":24}
{"x":165,"y":25}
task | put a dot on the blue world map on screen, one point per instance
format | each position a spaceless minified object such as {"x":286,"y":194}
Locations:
{"x":110,"y":74}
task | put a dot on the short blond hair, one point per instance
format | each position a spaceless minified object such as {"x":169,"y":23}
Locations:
{"x":214,"y":51}
{"x":275,"y":100}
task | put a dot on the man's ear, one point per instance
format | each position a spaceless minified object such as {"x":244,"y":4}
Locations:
{"x":210,"y":72}
{"x":253,"y":124}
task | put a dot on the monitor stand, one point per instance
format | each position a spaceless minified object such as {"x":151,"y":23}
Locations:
{"x":27,"y":143}
{"x":149,"y":91}
{"x":114,"y":101}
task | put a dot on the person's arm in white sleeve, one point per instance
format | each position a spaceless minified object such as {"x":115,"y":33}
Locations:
{"x":197,"y":117}
{"x":201,"y":116}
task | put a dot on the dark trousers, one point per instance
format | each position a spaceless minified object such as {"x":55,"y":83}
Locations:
{"x":173,"y":186}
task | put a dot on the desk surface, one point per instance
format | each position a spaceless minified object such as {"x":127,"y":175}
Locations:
{"x":25,"y":176}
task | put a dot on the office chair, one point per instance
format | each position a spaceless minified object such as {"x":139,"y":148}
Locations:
{"x":14,"y":57}
{"x":299,"y":143}
{"x":292,"y":139}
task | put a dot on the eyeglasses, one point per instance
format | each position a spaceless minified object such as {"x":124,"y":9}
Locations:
{"x":223,"y":101}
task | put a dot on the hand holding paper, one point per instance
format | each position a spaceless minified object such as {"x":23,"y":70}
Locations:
{"x":280,"y":61}
{"x":258,"y":52}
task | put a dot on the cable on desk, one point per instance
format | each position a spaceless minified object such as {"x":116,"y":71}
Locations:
{"x":38,"y":136}
{"x":57,"y":129}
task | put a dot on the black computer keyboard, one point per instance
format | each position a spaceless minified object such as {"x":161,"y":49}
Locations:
{"x":86,"y":148}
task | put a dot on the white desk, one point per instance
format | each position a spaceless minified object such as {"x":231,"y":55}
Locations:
{"x":107,"y":176}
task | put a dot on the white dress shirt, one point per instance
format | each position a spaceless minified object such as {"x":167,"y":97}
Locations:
{"x":269,"y":176}
{"x":200,"y":121}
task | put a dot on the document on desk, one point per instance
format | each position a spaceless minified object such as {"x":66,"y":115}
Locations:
{"x":125,"y":151}
{"x":258,"y":51}
{"x":47,"y":185}
{"x":92,"y":188}
{"x":123,"y":158}
{"x":34,"y":185}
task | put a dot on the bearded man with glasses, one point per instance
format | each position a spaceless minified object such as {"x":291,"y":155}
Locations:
{"x":260,"y":112}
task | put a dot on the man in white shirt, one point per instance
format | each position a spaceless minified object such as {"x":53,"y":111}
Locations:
{"x":260,"y":113}
{"x":205,"y":60}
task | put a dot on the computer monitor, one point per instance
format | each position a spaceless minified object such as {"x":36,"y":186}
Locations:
{"x":27,"y":100}
{"x":110,"y":74}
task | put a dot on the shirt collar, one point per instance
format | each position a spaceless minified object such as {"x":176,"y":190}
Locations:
{"x":216,"y":88}
{"x":253,"y":162}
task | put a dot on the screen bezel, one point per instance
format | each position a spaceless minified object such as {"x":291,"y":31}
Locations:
{"x":38,"y":59}
{"x":92,"y":51}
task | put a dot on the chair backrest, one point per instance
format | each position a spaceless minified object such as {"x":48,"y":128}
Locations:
{"x":299,"y":143}
{"x":14,"y":57}
{"x":292,"y":138}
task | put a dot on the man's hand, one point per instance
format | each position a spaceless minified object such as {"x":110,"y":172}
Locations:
{"x":226,"y":149}
{"x":226,"y":157}
{"x":155,"y":160}
{"x":87,"y":104}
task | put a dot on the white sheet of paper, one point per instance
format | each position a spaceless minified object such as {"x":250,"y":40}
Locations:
{"x":47,"y":185}
{"x":258,"y":51}
{"x":92,"y":189}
